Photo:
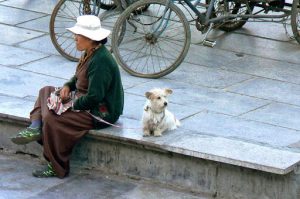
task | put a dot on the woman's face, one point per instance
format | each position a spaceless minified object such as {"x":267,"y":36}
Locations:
{"x":83,"y":43}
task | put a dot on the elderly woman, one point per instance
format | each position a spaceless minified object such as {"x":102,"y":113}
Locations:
{"x":95,"y":90}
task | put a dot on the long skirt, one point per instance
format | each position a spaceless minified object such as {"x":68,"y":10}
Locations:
{"x":59,"y":132}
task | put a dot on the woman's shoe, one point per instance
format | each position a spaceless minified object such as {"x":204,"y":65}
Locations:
{"x":47,"y":172}
{"x":27,"y":135}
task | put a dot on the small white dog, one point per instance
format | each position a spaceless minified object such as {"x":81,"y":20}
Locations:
{"x":156,"y":118}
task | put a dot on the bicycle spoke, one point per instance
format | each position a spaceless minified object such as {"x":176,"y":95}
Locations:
{"x":153,"y":42}
{"x":64,"y":16}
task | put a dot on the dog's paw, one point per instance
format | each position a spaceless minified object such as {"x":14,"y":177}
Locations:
{"x":178,"y":123}
{"x":157,"y":133}
{"x":146,"y":133}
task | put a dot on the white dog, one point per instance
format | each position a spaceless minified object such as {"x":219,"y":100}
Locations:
{"x":156,"y":118}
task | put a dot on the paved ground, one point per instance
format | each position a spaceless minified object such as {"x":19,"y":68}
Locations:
{"x":18,"y":183}
{"x":239,"y":100}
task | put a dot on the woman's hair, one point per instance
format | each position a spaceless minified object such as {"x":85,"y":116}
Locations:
{"x":103,"y":41}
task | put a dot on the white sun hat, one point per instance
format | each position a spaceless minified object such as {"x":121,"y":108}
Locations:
{"x":90,"y":27}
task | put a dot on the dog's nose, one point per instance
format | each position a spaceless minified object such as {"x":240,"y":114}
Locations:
{"x":165,"y":103}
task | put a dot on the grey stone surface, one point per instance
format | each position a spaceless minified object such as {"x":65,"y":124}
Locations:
{"x":266,"y":68}
{"x":83,"y":183}
{"x":259,"y":47}
{"x":269,"y":89}
{"x":130,"y":81}
{"x":237,"y":145}
{"x":212,"y":57}
{"x":23,"y":83}
{"x":41,"y":44}
{"x":18,"y":16}
{"x":275,"y":31}
{"x":52,"y":66}
{"x":13,"y":35}
{"x":212,"y":177}
{"x":13,"y":56}
{"x":203,"y":76}
{"x":19,"y":107}
{"x":277,"y":114}
{"x":134,"y":106}
{"x":241,"y":129}
{"x":39,"y":24}
{"x":43,"y":6}
{"x":248,"y":154}
{"x":204,"y":98}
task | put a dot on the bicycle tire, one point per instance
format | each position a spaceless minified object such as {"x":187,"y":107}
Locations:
{"x":107,"y":4}
{"x":295,"y":20}
{"x":64,"y":15}
{"x":230,"y":24}
{"x":165,"y":58}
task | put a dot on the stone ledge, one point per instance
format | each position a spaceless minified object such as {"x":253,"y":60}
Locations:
{"x":189,"y":143}
{"x":218,"y":149}
{"x":14,"y":119}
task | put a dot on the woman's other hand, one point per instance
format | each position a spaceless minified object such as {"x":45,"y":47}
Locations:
{"x":64,"y":93}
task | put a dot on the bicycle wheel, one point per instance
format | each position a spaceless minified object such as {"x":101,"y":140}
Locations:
{"x":225,"y":7}
{"x":295,"y":20}
{"x":151,"y":43}
{"x":107,"y":4}
{"x":64,"y":16}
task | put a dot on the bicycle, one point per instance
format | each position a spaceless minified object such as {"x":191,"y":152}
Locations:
{"x":153,"y":43}
{"x":64,"y":15}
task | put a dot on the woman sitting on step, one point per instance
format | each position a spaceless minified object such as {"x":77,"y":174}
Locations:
{"x":61,"y":117}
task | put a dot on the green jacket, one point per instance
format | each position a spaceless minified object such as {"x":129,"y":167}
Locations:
{"x":104,"y":87}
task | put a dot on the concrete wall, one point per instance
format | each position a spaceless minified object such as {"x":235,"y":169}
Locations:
{"x":198,"y":175}
{"x":8,"y":130}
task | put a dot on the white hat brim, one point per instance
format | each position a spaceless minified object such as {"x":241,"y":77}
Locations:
{"x":96,"y":35}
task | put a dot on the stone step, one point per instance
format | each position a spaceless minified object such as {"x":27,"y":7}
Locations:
{"x":197,"y":162}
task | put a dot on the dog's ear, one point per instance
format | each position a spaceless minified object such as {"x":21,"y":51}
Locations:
{"x":148,"y":95}
{"x":168,"y":91}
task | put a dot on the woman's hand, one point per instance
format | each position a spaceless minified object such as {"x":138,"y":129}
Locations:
{"x":64,"y":93}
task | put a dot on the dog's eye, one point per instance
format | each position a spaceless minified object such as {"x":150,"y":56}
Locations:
{"x":158,"y":97}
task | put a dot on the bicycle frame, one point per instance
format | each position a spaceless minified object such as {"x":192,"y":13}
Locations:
{"x":206,"y":19}
{"x":154,"y":42}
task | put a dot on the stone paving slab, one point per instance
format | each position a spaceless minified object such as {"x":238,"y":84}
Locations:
{"x":267,"y":30}
{"x":52,"y":66}
{"x":211,"y":147}
{"x":200,"y":97}
{"x":238,"y":153}
{"x":41,"y":44}
{"x":23,"y":83}
{"x":260,"y":47}
{"x":82,"y":183}
{"x":241,"y":129}
{"x":39,"y":24}
{"x":134,"y":105}
{"x":269,"y":89}
{"x":267,"y":68}
{"x":19,"y":182}
{"x":278,"y":114}
{"x":12,"y":35}
{"x":18,"y":16}
{"x":208,"y":77}
{"x":19,"y":107}
{"x":212,"y":57}
{"x":43,"y":6}
{"x":13,"y":56}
